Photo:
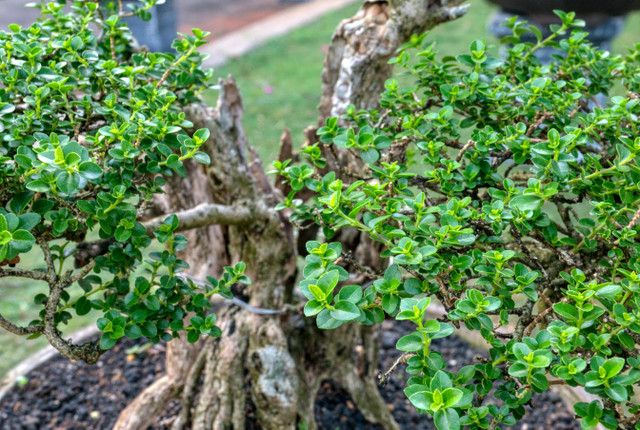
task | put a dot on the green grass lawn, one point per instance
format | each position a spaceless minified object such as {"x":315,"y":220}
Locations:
{"x":280,"y":82}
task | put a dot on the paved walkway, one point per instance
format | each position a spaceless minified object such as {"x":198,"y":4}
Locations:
{"x":237,"y":26}
{"x":245,"y":39}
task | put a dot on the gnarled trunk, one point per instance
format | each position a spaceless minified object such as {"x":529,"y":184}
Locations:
{"x":268,"y":350}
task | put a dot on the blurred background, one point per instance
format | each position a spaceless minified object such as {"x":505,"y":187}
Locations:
{"x":275,"y":49}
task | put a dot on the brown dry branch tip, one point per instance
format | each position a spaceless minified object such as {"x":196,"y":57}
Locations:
{"x":383,"y":378}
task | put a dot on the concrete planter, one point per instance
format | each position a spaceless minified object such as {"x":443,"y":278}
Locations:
{"x":158,"y":33}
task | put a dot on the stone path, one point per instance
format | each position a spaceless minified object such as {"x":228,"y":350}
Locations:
{"x":247,"y":38}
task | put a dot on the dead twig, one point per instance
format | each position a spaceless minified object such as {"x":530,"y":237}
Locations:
{"x":403,"y":359}
{"x":464,"y":149}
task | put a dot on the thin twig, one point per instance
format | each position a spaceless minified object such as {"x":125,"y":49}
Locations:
{"x":365,"y":270}
{"x":537,"y":319}
{"x":112,"y":42}
{"x":23,"y":273}
{"x":464,"y":149}
{"x":20,"y":331}
{"x":634,"y":220}
{"x":540,"y":118}
{"x":403,"y":359}
{"x":84,"y":272}
{"x":48,"y":258}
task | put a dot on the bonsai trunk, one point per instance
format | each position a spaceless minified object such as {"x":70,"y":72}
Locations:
{"x":269,"y":354}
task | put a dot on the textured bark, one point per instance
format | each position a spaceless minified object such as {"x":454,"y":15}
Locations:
{"x":356,"y":66}
{"x":279,"y":361}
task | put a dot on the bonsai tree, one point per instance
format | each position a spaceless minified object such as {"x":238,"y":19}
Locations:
{"x":95,"y":131}
{"x":506,"y":199}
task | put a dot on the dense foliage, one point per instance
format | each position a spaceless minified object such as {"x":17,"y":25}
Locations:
{"x":90,"y":128}
{"x":502,"y":189}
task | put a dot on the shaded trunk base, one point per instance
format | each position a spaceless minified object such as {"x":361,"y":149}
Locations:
{"x":280,"y":375}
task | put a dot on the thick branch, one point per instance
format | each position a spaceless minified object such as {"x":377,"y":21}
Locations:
{"x":203,"y":215}
{"x":20,"y":331}
{"x":207,"y":214}
{"x":52,"y":275}
{"x":88,"y":352}
{"x":22,"y":273}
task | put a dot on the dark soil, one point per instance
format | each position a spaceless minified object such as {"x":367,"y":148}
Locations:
{"x":72,"y":396}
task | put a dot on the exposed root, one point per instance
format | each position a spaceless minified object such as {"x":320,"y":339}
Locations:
{"x":190,"y":388}
{"x":221,"y":404}
{"x":151,"y":403}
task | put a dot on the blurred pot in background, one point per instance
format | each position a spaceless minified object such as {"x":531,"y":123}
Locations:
{"x":604,"y":19}
{"x":158,"y":33}
{"x":580,"y":7}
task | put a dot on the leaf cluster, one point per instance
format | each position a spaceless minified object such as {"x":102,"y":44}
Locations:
{"x":502,"y":189}
{"x":91,"y":127}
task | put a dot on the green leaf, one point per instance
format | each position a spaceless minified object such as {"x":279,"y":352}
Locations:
{"x":82,"y":306}
{"x":609,"y":291}
{"x":410,"y":343}
{"x":370,"y":156}
{"x":390,"y":303}
{"x":613,"y":366}
{"x":23,"y":161}
{"x":526,"y":203}
{"x":90,"y":170}
{"x":29,"y":221}
{"x":447,"y":419}
{"x":106,"y":342}
{"x":193,"y":336}
{"x":518,"y":370}
{"x":38,"y":186}
{"x":539,"y":382}
{"x":617,"y":393}
{"x":345,"y":311}
{"x":121,"y":234}
{"x":76,"y":43}
{"x":326,"y":322}
{"x":149,"y":329}
{"x":313,"y":307}
{"x":566,"y":311}
{"x":200,"y":301}
{"x":22,"y":240}
{"x":351,"y":293}
{"x":451,"y":396}
{"x":173,"y":161}
{"x":422,"y":399}
{"x":202,"y":134}
{"x":152,"y":303}
{"x":540,"y":362}
{"x":132,"y":331}
{"x":328,"y":281}
{"x":202,"y":158}
{"x":67,"y":182}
